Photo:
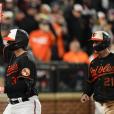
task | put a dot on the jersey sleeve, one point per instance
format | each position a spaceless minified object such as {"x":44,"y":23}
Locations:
{"x":27,"y":69}
{"x":88,"y":85}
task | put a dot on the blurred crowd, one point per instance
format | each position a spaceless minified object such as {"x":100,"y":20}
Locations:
{"x":60,"y":29}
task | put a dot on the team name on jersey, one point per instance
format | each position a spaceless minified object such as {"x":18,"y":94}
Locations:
{"x":12,"y":68}
{"x":99,"y":71}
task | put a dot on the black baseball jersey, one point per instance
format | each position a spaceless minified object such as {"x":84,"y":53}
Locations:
{"x":100,"y":81}
{"x":20,"y":77}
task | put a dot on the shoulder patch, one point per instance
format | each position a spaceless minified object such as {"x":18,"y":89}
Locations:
{"x":25,"y":72}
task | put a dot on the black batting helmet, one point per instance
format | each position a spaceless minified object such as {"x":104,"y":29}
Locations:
{"x":17,"y":38}
{"x":103,"y":37}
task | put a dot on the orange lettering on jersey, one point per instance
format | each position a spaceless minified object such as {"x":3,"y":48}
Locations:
{"x":101,"y":70}
{"x":11,"y":69}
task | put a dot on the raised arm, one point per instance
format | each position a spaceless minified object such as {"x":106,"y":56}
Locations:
{"x":1,"y":40}
{"x":4,"y":51}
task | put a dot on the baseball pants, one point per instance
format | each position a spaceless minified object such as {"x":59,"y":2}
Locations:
{"x":99,"y":109}
{"x":109,"y":107}
{"x":32,"y":106}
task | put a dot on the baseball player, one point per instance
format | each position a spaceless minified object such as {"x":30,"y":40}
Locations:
{"x":100,"y":82}
{"x":20,"y":77}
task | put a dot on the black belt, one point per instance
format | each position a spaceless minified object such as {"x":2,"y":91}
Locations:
{"x":18,"y":100}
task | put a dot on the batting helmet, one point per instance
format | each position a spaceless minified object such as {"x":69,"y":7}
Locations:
{"x":17,"y":38}
{"x":103,"y":37}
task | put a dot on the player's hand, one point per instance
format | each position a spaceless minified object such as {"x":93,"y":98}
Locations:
{"x":85,"y":98}
{"x":1,"y":89}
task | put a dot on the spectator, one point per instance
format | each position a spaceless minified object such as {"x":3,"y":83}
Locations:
{"x":108,"y":28}
{"x":4,"y":30}
{"x":75,"y":23}
{"x":25,"y":4}
{"x":45,"y":9}
{"x":44,"y":13}
{"x":56,"y":26}
{"x":111,"y":4}
{"x":59,"y":25}
{"x":112,"y":47}
{"x":75,"y":54}
{"x":26,"y":21}
{"x":41,"y":41}
{"x":101,"y":22}
{"x":8,"y":19}
{"x":111,"y":18}
{"x":9,"y":5}
{"x":97,"y":5}
{"x":58,"y":49}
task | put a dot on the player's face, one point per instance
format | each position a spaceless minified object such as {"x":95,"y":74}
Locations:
{"x":95,"y":43}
